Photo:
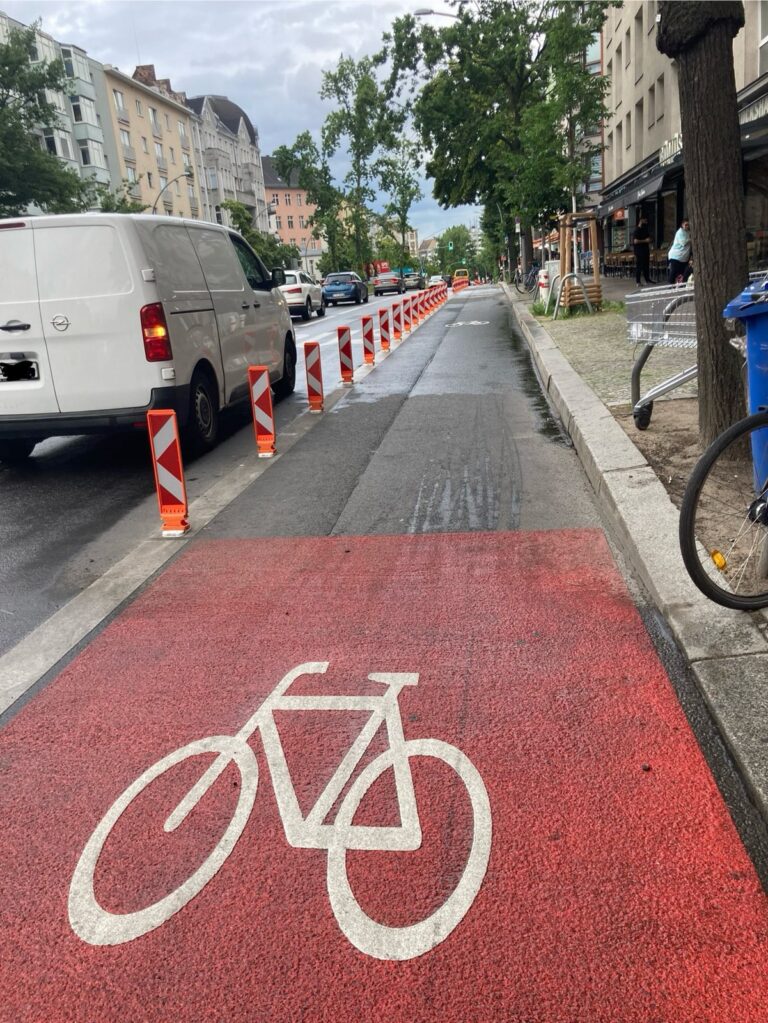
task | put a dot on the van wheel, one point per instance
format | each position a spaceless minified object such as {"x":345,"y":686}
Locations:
{"x":16,"y":449}
{"x":203,"y":423}
{"x":307,"y":311}
{"x":287,"y":382}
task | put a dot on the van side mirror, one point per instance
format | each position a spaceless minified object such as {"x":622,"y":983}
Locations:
{"x":278,"y":277}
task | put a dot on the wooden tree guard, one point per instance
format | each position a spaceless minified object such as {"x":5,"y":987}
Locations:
{"x":572,"y":293}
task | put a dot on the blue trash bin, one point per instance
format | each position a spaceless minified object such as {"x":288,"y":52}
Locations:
{"x":751,"y":307}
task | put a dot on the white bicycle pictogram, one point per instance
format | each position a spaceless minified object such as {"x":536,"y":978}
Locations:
{"x":98,"y":926}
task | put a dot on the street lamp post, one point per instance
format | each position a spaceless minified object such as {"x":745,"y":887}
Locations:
{"x":423,"y":12}
{"x":188,"y":174}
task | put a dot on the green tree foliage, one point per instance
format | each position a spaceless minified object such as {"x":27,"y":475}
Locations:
{"x":502,"y":99}
{"x":397,"y":175}
{"x":364,"y":122}
{"x":272,"y":252}
{"x":30,"y":175}
{"x":455,"y":249}
{"x":118,"y":200}
{"x":315,"y":177}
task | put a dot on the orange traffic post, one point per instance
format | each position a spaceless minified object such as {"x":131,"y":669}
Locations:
{"x":314,"y":370}
{"x":261,"y":407}
{"x":415,"y":310}
{"x":384,"y":329}
{"x":397,"y":321}
{"x":345,"y":355}
{"x":369,"y":346}
{"x":422,"y":307}
{"x":407,"y":314}
{"x":169,"y":471}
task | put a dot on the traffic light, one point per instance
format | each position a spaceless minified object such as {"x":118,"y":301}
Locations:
{"x":450,"y":246}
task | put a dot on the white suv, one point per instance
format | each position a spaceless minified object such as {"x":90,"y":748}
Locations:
{"x":302,"y":294}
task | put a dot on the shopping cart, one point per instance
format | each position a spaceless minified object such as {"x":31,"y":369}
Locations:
{"x":664,"y":316}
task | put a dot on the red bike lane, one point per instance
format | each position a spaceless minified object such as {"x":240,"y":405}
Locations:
{"x":550,"y":845}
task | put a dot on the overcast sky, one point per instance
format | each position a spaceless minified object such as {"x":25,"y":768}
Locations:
{"x":266,"y":55}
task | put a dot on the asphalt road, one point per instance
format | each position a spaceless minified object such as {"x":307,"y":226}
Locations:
{"x":81,"y":503}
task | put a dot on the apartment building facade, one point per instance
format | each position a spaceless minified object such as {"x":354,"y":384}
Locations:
{"x":291,"y":213}
{"x":644,"y":157}
{"x":78,"y":139}
{"x":227,"y":151}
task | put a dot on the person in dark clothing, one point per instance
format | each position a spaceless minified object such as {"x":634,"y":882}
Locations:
{"x":641,"y":243}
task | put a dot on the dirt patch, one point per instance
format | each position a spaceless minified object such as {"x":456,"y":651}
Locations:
{"x":671,"y":442}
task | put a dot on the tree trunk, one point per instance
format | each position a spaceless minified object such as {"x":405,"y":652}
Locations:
{"x":715,"y":199}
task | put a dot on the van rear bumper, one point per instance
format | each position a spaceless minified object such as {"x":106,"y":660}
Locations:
{"x":68,"y":424}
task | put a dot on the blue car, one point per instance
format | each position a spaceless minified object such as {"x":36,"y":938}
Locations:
{"x":344,"y":287}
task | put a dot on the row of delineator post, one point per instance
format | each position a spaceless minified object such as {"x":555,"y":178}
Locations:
{"x":394,"y":323}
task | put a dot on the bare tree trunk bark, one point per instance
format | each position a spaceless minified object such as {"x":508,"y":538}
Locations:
{"x":713,"y":181}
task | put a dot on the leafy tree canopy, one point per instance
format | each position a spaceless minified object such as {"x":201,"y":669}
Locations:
{"x":272,"y":252}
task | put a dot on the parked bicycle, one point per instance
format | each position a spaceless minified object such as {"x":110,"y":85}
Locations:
{"x":724,"y":514}
{"x":526,"y":282}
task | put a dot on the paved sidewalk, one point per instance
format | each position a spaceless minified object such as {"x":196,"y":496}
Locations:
{"x":584,"y":373}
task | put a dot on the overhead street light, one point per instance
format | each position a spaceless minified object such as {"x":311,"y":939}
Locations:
{"x":188,"y":174}
{"x":423,"y":12}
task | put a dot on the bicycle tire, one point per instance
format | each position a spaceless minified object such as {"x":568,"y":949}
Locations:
{"x":520,"y":283}
{"x":408,"y":942}
{"x":532,"y":281}
{"x":723,"y":529}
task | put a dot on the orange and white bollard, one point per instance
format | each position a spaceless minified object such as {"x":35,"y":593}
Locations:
{"x":397,"y":321}
{"x":261,"y":406}
{"x":384,"y":329}
{"x":422,"y":307}
{"x":369,"y":346}
{"x":169,"y":471}
{"x":345,"y":355}
{"x":314,"y":370}
{"x":407,"y":315}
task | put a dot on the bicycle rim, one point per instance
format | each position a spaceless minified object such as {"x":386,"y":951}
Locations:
{"x":724,"y":517}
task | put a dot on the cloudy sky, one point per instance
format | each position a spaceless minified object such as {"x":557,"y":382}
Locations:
{"x":266,"y":55}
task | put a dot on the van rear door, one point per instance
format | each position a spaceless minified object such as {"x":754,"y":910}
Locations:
{"x":89,"y":305}
{"x":26,"y":383}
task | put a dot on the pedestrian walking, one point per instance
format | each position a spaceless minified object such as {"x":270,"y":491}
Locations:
{"x":641,"y":243}
{"x":679,"y":254}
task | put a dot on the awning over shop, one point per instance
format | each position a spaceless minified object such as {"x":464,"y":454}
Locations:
{"x":633,"y":195}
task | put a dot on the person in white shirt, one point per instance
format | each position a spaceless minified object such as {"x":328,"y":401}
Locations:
{"x":679,"y":254}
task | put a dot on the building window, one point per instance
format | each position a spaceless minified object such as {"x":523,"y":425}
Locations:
{"x":185,"y":160}
{"x":139,"y":110}
{"x":279,"y":223}
{"x":275,"y":198}
{"x":763,"y":36}
{"x":144,"y":145}
{"x":92,"y":154}
{"x":627,"y":42}
{"x":293,"y":242}
{"x":119,"y":99}
{"x":213,"y":181}
{"x":69,"y":67}
{"x":651,"y":106}
{"x":219,"y":219}
{"x":287,"y":198}
{"x":149,"y":179}
{"x":167,"y":123}
{"x":639,"y":43}
{"x":301,"y":222}
{"x":159,"y":150}
{"x":298,"y":200}
{"x":290,"y":223}
{"x":173,"y":155}
{"x":628,"y":131}
{"x":163,"y":180}
{"x":125,"y":138}
{"x":49,"y":143}
{"x":130,"y":173}
{"x":191,"y":192}
{"x":154,"y":121}
{"x":182,"y":130}
{"x":659,"y":97}
{"x":178,"y":188}
{"x":85,"y":156}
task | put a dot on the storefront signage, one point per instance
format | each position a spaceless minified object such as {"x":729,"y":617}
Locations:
{"x":754,"y":111}
{"x":670,"y":149}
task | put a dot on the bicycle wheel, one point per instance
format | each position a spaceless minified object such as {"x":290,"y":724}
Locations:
{"x":96,"y":925}
{"x":400,"y":943}
{"x":532,"y":281}
{"x":724,"y":517}
{"x":520,"y":282}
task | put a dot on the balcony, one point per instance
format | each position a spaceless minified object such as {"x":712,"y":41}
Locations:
{"x":122,"y":116}
{"x":162,"y":165}
{"x":184,"y":142}
{"x":88,"y":132}
{"x":135,"y":190}
{"x":129,"y":154}
{"x":194,"y":205}
{"x":168,"y":201}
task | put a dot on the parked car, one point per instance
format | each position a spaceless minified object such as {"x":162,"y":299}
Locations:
{"x":435,"y":279}
{"x":388,"y":282}
{"x":413,"y":282}
{"x":110,"y":315}
{"x":344,"y":287}
{"x":448,"y":279}
{"x":302,"y":295}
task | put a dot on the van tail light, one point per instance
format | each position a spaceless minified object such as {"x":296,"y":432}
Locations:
{"x":154,"y":329}
{"x":293,"y":291}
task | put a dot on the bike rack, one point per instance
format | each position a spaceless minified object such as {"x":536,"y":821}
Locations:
{"x":571,"y":277}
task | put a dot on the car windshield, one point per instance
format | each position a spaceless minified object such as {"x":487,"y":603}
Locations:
{"x":339,"y":279}
{"x":291,"y":279}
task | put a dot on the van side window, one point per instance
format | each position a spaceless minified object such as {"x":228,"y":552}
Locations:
{"x":253,"y":268}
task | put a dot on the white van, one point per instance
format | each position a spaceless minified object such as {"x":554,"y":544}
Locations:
{"x":105,"y":316}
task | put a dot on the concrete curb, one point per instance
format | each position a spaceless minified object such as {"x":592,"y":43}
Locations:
{"x":727,"y":650}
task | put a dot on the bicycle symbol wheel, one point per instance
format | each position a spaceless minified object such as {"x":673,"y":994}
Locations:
{"x":96,"y":925}
{"x":385,"y":942}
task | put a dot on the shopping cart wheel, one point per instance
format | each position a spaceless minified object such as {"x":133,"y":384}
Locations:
{"x":643,"y":416}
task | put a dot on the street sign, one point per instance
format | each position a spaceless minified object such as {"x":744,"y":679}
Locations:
{"x":422,"y":777}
